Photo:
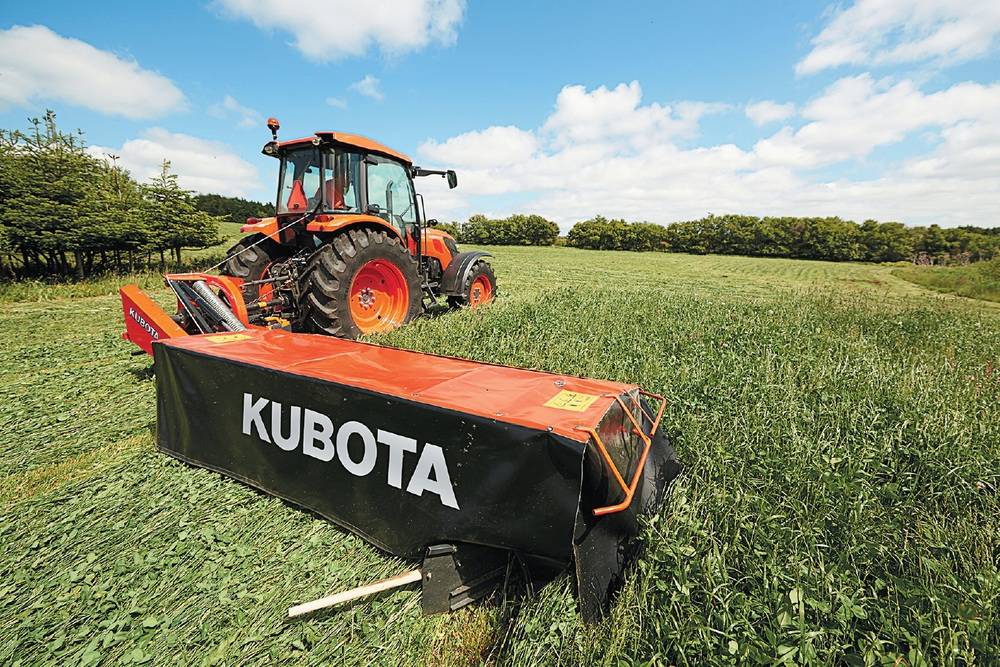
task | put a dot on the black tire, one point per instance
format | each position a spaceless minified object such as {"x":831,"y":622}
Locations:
{"x":250,"y":263}
{"x":327,"y":281}
{"x":482,"y":269}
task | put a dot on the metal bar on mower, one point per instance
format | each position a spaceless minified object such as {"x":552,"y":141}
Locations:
{"x":630,"y":488}
{"x":217,"y":307}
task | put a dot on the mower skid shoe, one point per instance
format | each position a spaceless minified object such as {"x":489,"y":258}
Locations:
{"x":456,"y":574}
{"x":145,"y":321}
{"x":606,"y":547}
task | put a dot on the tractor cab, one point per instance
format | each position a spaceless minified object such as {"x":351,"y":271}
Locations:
{"x":333,"y":173}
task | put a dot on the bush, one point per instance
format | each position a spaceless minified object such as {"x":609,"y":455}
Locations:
{"x":599,"y":233}
{"x":516,"y":229}
{"x":829,"y":239}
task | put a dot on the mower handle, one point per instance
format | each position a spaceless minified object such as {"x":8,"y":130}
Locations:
{"x":630,"y":488}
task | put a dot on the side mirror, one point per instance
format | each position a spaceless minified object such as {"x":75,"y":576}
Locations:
{"x":452,"y":179}
{"x":432,"y":223}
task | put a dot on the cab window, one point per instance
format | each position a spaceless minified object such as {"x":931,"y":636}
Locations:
{"x":389,"y":188}
{"x":342,"y":178}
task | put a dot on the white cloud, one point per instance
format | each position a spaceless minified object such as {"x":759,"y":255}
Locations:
{"x":855,"y":115}
{"x":40,"y":66}
{"x":369,"y":87}
{"x":587,"y":158}
{"x":336,"y":102}
{"x":231,"y":108}
{"x":201,"y":165}
{"x":492,"y":147}
{"x":762,"y":113}
{"x":879,"y":32}
{"x":326,"y":30}
{"x":617,"y":114}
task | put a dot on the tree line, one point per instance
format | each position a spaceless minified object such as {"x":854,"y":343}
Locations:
{"x":64,"y":211}
{"x":232,"y":209}
{"x":823,"y":238}
{"x":515,"y":229}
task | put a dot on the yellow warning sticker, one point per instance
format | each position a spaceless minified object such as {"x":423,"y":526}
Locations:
{"x":572,"y":401}
{"x":227,"y":338}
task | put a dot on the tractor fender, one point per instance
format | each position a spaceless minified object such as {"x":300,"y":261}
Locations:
{"x":458,"y":270}
{"x":336,"y":223}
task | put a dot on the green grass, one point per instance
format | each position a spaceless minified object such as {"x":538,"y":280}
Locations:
{"x":975,"y":281}
{"x":839,"y":428}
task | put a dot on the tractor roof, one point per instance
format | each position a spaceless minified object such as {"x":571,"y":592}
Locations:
{"x":356,"y":140}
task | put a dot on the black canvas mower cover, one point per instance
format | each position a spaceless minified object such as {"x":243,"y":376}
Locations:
{"x":460,"y":464}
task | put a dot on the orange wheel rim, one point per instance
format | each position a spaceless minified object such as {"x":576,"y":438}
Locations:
{"x":265,"y":291}
{"x":480,"y":292}
{"x":379,"y":297}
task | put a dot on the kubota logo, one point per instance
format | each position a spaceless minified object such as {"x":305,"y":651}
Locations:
{"x":314,"y":432}
{"x":143,"y":323}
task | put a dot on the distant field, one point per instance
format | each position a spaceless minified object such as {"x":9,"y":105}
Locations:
{"x":976,"y":281}
{"x":839,"y":427}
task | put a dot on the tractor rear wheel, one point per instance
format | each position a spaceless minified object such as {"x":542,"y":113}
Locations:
{"x":251,"y":260}
{"x":479,"y":289}
{"x":363,"y":281}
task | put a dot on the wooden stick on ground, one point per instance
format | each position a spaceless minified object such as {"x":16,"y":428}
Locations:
{"x":398,"y":581}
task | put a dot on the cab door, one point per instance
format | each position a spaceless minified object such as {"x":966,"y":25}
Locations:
{"x":390,"y":188}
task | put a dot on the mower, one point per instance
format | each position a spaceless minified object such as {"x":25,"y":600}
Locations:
{"x":474,"y":470}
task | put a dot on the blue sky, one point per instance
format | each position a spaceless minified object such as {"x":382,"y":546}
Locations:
{"x":657,"y":111}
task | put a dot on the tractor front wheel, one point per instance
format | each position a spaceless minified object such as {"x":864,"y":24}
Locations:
{"x":361,"y":282}
{"x":479,"y":289}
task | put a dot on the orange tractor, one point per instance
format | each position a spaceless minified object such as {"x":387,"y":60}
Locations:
{"x":348,"y":253}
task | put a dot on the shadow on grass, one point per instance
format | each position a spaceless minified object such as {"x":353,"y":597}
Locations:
{"x":143,"y":374}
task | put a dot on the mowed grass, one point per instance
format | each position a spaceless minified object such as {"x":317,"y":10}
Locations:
{"x":980,"y":280}
{"x":838,"y":425}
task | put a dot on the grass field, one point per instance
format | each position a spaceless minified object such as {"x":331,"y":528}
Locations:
{"x":839,"y":505}
{"x":976,"y":281}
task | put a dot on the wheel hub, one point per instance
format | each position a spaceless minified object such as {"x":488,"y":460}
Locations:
{"x":366,"y":298}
